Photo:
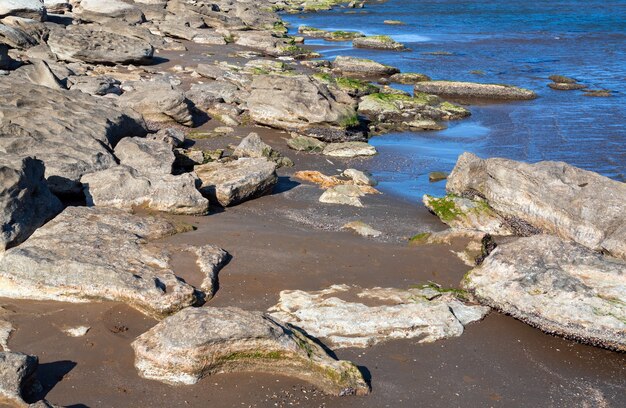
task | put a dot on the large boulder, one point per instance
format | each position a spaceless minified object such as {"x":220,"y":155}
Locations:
{"x":26,"y":203}
{"x":81,"y":43}
{"x":125,"y":188}
{"x":472,"y":90}
{"x":23,"y":8}
{"x":235,"y":181}
{"x":297,"y":102}
{"x":550,"y":197}
{"x":560,"y":287}
{"x":196,"y":343}
{"x":71,"y":132}
{"x":362,"y":68}
{"x":89,"y":254}
{"x":103,"y":11}
{"x":159,"y":102}
{"x":428,"y":313}
{"x":148,"y":156}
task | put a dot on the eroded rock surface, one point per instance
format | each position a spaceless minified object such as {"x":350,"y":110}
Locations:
{"x":560,"y":287}
{"x":428,"y":313}
{"x":23,"y":8}
{"x":17,"y":376}
{"x":454,"y":89}
{"x":198,"y":342}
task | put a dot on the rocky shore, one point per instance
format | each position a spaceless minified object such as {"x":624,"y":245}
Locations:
{"x":148,"y":146}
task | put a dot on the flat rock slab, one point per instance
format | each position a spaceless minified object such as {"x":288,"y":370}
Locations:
{"x":349,"y":149}
{"x":33,"y":9}
{"x":71,"y":132}
{"x":560,"y":287}
{"x":427,"y":313}
{"x":158,"y":101}
{"x":81,"y":43}
{"x":87,"y":254}
{"x":362,"y":68}
{"x":235,"y":181}
{"x":552,"y":197}
{"x":26,"y":203}
{"x":106,"y":10}
{"x":198,"y":342}
{"x":470,"y":90}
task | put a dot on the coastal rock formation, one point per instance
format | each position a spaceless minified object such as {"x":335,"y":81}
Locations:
{"x":409,"y":78}
{"x":472,"y":90}
{"x":87,"y":254}
{"x":428,"y":313}
{"x":210,"y":259}
{"x":33,"y":9}
{"x":560,"y":287}
{"x":26,"y":203}
{"x":378,"y":42}
{"x":148,"y":156}
{"x":361,"y":68}
{"x":563,"y":83}
{"x":159,"y":101}
{"x":82,"y":43}
{"x":235,"y":181}
{"x":125,"y":188}
{"x":196,"y":343}
{"x":71,"y":132}
{"x":17,"y":377}
{"x":549,"y":197}
{"x":103,"y":11}
{"x":349,"y":149}
{"x":297,"y":102}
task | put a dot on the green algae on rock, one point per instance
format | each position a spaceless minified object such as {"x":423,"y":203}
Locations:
{"x":455,"y":89}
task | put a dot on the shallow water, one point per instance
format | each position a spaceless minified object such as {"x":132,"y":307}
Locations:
{"x":508,"y":42}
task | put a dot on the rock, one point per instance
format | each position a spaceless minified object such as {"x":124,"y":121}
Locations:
{"x":253,"y":146}
{"x":17,"y":377}
{"x":463,"y":213}
{"x":344,"y":194}
{"x":549,"y":197}
{"x":297,"y":102}
{"x":126,"y":188}
{"x":378,"y":42}
{"x":89,"y":254}
{"x":428,"y":313}
{"x":394,"y":22}
{"x":236,"y":181}
{"x":409,"y":78}
{"x":50,"y":124}
{"x":159,"y":102}
{"x":33,"y":9}
{"x":96,"y":85}
{"x":335,"y":135}
{"x":26,"y":203}
{"x":362,"y":229}
{"x":78,"y":331}
{"x":560,"y":287}
{"x":103,"y":11}
{"x":170,"y":136}
{"x":146,"y":155}
{"x":602,"y":93}
{"x":196,"y":343}
{"x":435,"y":176}
{"x":210,"y":259}
{"x":362,"y":68}
{"x":205,"y":95}
{"x":349,"y":149}
{"x":16,"y":37}
{"x":41,"y":74}
{"x":560,"y":79}
{"x":6,"y":329}
{"x":461,"y":90}
{"x":305,"y":144}
{"x":329,"y":35}
{"x":557,"y":86}
{"x":81,"y":43}
{"x":360,"y":177}
{"x":57,"y":6}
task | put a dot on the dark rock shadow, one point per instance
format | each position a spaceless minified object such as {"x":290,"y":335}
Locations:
{"x":48,"y":376}
{"x":284,"y":184}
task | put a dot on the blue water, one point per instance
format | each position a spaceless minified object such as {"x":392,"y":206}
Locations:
{"x":518,"y":43}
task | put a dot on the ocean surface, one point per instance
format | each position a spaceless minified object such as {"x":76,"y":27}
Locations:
{"x":498,"y":41}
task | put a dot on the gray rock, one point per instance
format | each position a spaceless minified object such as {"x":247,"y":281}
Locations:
{"x":560,"y":287}
{"x":253,"y":146}
{"x":57,"y":6}
{"x":344,"y":194}
{"x":205,"y":95}
{"x":147,"y":156}
{"x":196,"y":343}
{"x":552,"y":197}
{"x":235,"y":181}
{"x":126,"y":188}
{"x":360,"y":177}
{"x":170,"y":136}
{"x":210,"y":259}
{"x":89,"y":254}
{"x":23,"y":8}
{"x":159,"y":101}
{"x":50,"y":125}
{"x":362,"y":68}
{"x":96,"y":85}
{"x":378,"y":42}
{"x":454,"y":89}
{"x":16,"y":37}
{"x":26,"y":203}
{"x":17,"y":377}
{"x":297,"y":102}
{"x":425,"y":313}
{"x":103,"y":11}
{"x":82,"y":43}
{"x":41,"y":74}
{"x":409,"y":78}
{"x":363,"y":229}
{"x":349,"y":149}
{"x":306,"y":144}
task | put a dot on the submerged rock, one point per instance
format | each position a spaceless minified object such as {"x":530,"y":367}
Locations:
{"x":196,"y":343}
{"x":26,"y":203}
{"x":428,"y":313}
{"x":560,"y":287}
{"x":87,"y":254}
{"x":470,"y":90}
{"x":549,"y":197}
{"x":236,"y":181}
{"x":563,"y":83}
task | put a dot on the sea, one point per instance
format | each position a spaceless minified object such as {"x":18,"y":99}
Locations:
{"x":511,"y":42}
